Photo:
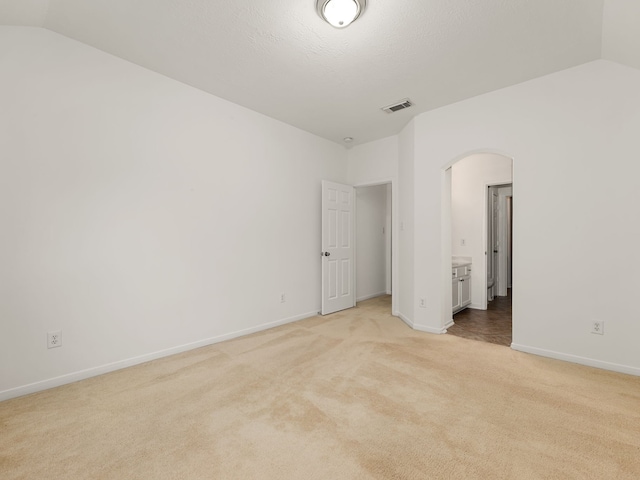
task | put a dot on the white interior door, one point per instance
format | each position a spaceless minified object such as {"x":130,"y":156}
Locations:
{"x":338,"y":251}
{"x":501,"y":277}
{"x":492,"y":243}
{"x":509,"y":241}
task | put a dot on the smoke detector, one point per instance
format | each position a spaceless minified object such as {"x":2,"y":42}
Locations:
{"x":401,"y":105}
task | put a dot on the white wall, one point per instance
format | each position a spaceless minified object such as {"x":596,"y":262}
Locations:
{"x":388,"y":239}
{"x":376,"y":163}
{"x":573,"y":132}
{"x":469,"y":180}
{"x":141,"y":216}
{"x":371,"y":241}
{"x":405,"y":202}
{"x":620,"y":32}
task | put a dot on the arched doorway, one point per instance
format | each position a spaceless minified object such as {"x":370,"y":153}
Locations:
{"x":477,"y":218}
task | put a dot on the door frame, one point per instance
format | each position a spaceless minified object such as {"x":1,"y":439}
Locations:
{"x":502,"y":254}
{"x":503,"y":232}
{"x":395,"y":241}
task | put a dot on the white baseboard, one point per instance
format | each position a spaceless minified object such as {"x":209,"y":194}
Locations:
{"x":422,"y":328}
{"x":449,"y":324}
{"x":475,"y":306}
{"x":425,"y":328}
{"x":405,"y":319}
{"x":367,"y":297}
{"x":130,"y":362}
{"x":590,"y":362}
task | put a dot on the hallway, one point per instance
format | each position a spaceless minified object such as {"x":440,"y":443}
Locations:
{"x":492,"y":325}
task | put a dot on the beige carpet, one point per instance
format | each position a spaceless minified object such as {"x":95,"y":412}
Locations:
{"x":355,"y":395}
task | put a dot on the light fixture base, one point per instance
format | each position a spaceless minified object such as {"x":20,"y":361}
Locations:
{"x":340,"y":13}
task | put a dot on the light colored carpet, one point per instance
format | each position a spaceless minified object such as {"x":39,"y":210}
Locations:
{"x":354,"y":395}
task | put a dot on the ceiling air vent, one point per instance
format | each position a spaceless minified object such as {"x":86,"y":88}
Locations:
{"x":401,"y":105}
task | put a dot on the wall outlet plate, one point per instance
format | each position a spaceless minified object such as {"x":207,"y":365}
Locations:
{"x":597,"y":327}
{"x":54,"y":339}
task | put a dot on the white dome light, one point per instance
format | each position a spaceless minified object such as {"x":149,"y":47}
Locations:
{"x":340,"y":13}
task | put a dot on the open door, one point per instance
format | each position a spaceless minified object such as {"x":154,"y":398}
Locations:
{"x":492,"y":243}
{"x":338,"y":250}
{"x":498,"y":241}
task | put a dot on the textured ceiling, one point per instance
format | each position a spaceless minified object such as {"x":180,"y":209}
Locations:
{"x":277,"y":57}
{"x":23,"y":12}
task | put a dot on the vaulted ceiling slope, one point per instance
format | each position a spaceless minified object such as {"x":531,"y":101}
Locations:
{"x":279,"y":58}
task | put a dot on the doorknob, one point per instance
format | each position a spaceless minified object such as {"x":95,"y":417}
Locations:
{"x":325,"y":254}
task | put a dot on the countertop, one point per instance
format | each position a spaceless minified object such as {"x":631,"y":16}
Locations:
{"x":460,"y":262}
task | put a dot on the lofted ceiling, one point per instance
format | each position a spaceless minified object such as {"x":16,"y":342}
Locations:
{"x":279,"y":58}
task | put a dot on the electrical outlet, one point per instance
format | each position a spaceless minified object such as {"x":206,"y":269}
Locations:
{"x":597,"y":327}
{"x":54,"y":339}
{"x":283,"y":297}
{"x":423,"y":303}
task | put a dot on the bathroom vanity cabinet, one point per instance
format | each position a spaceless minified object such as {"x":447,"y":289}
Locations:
{"x":461,"y":286}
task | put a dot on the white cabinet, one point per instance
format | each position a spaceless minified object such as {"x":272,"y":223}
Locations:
{"x":461,"y":287}
{"x":465,"y":291}
{"x":455,"y":291}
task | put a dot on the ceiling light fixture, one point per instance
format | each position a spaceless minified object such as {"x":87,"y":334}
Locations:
{"x":340,"y":13}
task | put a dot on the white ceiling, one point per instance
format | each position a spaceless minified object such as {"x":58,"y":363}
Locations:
{"x":23,"y":12}
{"x":278,"y":58}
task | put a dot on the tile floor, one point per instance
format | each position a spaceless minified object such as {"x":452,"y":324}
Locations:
{"x":492,"y":325}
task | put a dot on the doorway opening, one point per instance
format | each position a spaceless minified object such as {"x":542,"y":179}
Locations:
{"x":481,"y":218}
{"x":374,"y":244}
{"x":359,"y":264}
{"x":499,"y":240}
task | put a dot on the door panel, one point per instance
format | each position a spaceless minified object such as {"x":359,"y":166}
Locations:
{"x":338,"y":252}
{"x":492,"y":242}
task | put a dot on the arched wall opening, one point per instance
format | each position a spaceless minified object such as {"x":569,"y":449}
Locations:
{"x":469,"y":219}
